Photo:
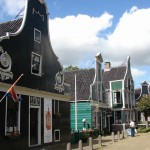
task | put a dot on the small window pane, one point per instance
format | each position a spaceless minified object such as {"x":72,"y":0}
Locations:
{"x":36,"y":64}
{"x":57,"y":135}
{"x":37,"y":35}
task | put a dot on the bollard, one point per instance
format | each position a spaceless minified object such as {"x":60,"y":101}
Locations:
{"x":122,"y":134}
{"x":113,"y":137}
{"x":118,"y":135}
{"x":90,"y":143}
{"x":68,"y":146}
{"x":100,"y":141}
{"x":125,"y":133}
{"x":80,"y":145}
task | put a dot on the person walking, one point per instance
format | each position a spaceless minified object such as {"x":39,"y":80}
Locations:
{"x":132,"y":126}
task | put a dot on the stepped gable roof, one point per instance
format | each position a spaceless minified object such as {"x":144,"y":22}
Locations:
{"x":10,"y":26}
{"x":115,"y":73}
{"x":84,"y":78}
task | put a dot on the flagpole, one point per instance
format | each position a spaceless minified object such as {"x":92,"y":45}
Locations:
{"x":11,"y":87}
{"x":75,"y":104}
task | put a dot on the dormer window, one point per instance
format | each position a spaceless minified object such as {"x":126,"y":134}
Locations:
{"x":36,"y":64}
{"x":37,"y":35}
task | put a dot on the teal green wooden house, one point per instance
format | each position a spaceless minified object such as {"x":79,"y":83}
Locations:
{"x":84,"y":110}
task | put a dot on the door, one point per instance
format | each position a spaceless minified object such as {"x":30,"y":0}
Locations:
{"x":33,"y":126}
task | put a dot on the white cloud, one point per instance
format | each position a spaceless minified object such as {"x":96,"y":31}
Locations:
{"x":77,"y":36}
{"x":137,"y":73}
{"x":131,"y":37}
{"x":10,"y":7}
{"x":81,"y":36}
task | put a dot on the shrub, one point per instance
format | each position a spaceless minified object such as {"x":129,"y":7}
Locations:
{"x":85,"y":136}
{"x":143,"y":130}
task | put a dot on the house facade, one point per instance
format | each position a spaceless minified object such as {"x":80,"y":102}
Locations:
{"x":119,"y":93}
{"x":25,"y":48}
{"x":143,"y":91}
{"x":88,"y":107}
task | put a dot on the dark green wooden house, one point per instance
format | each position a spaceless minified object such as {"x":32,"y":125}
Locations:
{"x":25,"y":48}
{"x":119,"y":93}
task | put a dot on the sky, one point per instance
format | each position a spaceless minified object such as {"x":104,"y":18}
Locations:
{"x":80,"y":29}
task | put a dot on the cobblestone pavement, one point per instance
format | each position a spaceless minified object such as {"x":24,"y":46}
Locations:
{"x":139,"y":142}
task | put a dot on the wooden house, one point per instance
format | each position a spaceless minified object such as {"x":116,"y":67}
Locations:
{"x":143,"y":91}
{"x":119,"y":94}
{"x":88,"y":107}
{"x":25,"y":48}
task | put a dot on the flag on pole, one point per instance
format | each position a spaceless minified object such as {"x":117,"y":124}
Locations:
{"x":14,"y":95}
{"x":11,"y":90}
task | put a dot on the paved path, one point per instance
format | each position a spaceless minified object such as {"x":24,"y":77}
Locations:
{"x":139,"y":142}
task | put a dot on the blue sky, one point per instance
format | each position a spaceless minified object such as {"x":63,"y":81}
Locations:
{"x":79,"y":29}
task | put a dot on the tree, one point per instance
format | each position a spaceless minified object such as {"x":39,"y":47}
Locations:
{"x":144,"y":107}
{"x":69,"y":68}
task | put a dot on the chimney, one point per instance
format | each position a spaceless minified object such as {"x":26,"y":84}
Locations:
{"x":107,"y":66}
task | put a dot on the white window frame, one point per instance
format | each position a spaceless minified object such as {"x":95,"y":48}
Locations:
{"x":35,"y":39}
{"x":57,"y":130}
{"x":18,"y":119}
{"x":39,"y":121}
{"x":56,"y":106}
{"x":40,"y":66}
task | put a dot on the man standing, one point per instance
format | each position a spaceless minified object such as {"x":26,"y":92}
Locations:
{"x":132,"y":126}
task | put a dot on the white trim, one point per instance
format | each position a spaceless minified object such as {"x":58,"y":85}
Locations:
{"x":39,"y":124}
{"x":56,"y":106}
{"x":6,"y":117}
{"x":33,"y":92}
{"x":40,"y":69}
{"x":18,"y":115}
{"x":8,"y":34}
{"x":35,"y":29}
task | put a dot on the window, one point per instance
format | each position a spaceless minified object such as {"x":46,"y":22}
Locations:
{"x":56,"y":107}
{"x":37,"y":36}
{"x":117,"y":97}
{"x":36,"y":64}
{"x":57,"y":135}
{"x":118,"y":117}
{"x":129,"y":84}
{"x":12,"y":120}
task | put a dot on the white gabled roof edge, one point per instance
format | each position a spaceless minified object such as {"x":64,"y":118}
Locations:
{"x":8,"y":34}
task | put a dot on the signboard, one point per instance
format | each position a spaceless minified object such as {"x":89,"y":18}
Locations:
{"x":34,"y":101}
{"x":47,"y":120}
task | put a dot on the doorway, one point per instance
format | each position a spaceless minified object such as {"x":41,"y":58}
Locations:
{"x":33,"y":126}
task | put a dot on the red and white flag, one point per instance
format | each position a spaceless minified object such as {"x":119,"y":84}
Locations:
{"x":14,"y":95}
